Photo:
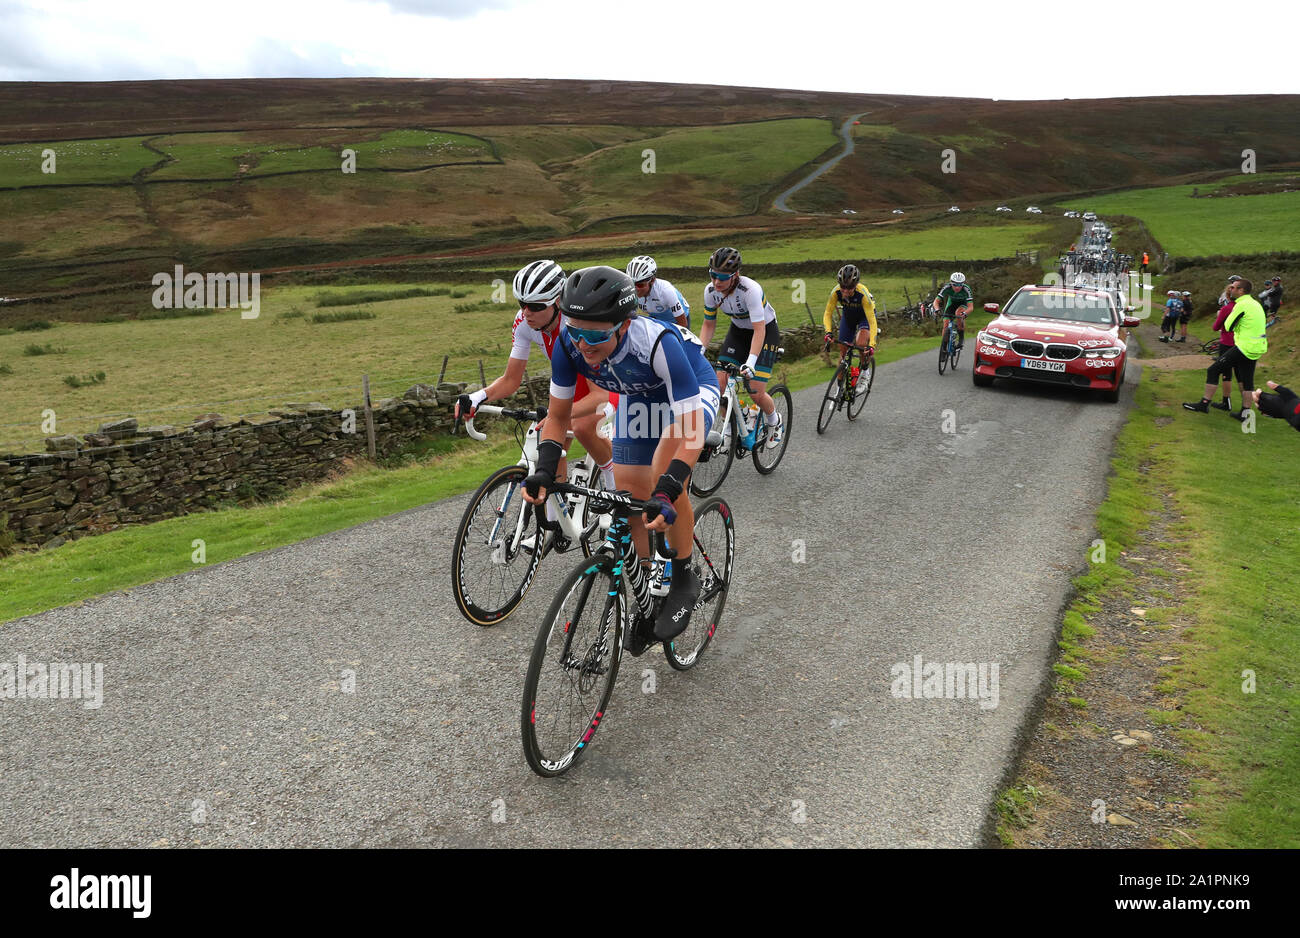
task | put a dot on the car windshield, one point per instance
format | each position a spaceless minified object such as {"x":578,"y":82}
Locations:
{"x":1047,"y":303}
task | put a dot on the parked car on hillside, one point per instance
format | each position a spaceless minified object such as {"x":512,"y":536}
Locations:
{"x":1034,"y":210}
{"x":1089,"y":216}
{"x":954,"y":209}
{"x":897,"y":211}
{"x":1075,"y":336}
{"x":1002,"y":208}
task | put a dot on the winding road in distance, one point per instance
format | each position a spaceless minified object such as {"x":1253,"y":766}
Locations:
{"x":846,"y":131}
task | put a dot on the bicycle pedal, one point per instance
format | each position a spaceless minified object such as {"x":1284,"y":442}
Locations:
{"x":634,"y":642}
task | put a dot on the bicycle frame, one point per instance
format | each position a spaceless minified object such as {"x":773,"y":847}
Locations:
{"x":568,"y":512}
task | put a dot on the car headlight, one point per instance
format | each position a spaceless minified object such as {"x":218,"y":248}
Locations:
{"x":1110,"y":351}
{"x":993,"y":340}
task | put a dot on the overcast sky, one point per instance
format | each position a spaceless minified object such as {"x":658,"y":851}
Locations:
{"x":996,"y":49}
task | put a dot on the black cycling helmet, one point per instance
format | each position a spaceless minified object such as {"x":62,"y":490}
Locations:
{"x":601,"y":294}
{"x":725,"y":260}
{"x":848,"y":276}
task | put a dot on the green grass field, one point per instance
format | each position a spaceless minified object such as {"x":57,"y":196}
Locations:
{"x":1195,"y":227}
{"x":116,"y":159}
{"x":942,"y":242}
{"x":168,"y":371}
{"x":698,"y":170}
{"x":219,"y":155}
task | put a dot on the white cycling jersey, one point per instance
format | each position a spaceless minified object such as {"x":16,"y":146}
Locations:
{"x":747,"y":306}
{"x":525,"y":337}
{"x":665,"y":303}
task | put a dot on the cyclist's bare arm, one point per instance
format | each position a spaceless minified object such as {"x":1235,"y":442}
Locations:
{"x":505,"y":385}
{"x":559,"y":415}
{"x":707,"y":329}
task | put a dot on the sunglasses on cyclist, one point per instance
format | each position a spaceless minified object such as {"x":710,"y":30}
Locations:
{"x":718,"y":275}
{"x":537,"y":307}
{"x":590,"y":336}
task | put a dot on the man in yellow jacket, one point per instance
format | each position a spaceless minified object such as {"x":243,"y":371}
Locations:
{"x":1246,"y":321}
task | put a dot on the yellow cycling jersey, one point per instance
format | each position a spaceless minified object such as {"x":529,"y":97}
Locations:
{"x":859,"y":304}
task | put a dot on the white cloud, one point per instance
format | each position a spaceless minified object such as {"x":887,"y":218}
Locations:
{"x":1104,"y":48}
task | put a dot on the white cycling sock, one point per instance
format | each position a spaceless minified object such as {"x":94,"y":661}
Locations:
{"x":772,"y":419}
{"x":550,"y":510}
{"x":607,"y":474}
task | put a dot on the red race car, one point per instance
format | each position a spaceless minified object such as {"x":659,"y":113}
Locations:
{"x":1074,"y":336}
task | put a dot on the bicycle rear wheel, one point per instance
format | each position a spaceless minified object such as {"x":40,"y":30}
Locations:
{"x":573,"y":666}
{"x":496,"y":550}
{"x":766,"y":460}
{"x":711,"y":558}
{"x":831,"y":400}
{"x":866,"y":376}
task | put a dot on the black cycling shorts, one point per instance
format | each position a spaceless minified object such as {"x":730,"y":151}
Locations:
{"x":1242,"y":367}
{"x":735,"y":349}
{"x":1220,"y":368}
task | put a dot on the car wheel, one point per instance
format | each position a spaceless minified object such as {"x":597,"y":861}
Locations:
{"x":981,"y":381}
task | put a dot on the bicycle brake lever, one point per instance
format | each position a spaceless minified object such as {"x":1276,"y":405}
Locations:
{"x":661,"y":545}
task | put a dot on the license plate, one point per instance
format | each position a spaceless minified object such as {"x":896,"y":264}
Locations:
{"x":1042,"y":366}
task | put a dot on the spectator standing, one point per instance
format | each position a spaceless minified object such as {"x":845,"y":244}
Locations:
{"x":1185,"y":315}
{"x":1246,"y":321}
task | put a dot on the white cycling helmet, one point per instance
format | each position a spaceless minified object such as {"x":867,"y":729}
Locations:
{"x":958,"y":277}
{"x":538,"y":282}
{"x":642,"y":267}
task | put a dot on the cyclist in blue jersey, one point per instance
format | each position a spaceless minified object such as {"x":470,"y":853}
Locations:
{"x":656,"y":297}
{"x":668,"y":399}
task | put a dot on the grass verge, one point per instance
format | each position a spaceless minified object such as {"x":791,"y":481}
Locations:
{"x":1238,"y":678}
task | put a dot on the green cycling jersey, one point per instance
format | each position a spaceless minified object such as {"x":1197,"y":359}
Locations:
{"x":953,"y":298}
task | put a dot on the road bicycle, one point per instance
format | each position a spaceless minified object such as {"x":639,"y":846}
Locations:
{"x":850,"y":385}
{"x":949,"y":351}
{"x":1212,"y":347}
{"x":609,"y":605}
{"x":501,"y":538}
{"x":740,"y":430}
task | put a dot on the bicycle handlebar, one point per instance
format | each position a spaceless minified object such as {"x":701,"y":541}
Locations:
{"x":511,"y":413}
{"x":621,"y":504}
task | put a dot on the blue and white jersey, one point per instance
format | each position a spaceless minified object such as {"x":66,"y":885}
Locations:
{"x":654,"y":363}
{"x":665,"y":303}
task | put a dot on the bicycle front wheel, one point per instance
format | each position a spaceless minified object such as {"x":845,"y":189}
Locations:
{"x":573,"y":666}
{"x":712,"y":556}
{"x":831,"y":400}
{"x":496,"y":550}
{"x":767,"y":458}
{"x":954,"y":350}
{"x":866,"y":375}
{"x":709,"y":474}
{"x":943,"y":351}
